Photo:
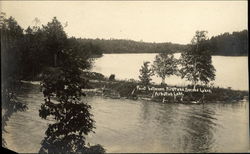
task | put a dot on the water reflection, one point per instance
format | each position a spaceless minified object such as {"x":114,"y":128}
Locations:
{"x":10,"y":104}
{"x":199,"y":127}
{"x":194,"y":128}
{"x":181,"y":128}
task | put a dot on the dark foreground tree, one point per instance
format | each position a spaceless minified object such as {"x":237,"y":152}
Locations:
{"x":62,"y":92}
{"x":11,"y":39}
{"x":145,"y":73}
{"x":196,"y":62}
{"x":165,"y":65}
{"x":27,"y":54}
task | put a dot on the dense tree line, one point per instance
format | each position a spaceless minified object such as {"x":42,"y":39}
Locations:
{"x":27,"y":52}
{"x":129,"y":46}
{"x":234,"y":44}
{"x":11,"y":39}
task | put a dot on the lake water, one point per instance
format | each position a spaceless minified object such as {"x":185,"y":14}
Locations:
{"x":230,"y":71}
{"x":141,"y":126}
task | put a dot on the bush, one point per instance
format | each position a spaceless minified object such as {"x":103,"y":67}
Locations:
{"x":93,"y":75}
{"x":112,"y":77}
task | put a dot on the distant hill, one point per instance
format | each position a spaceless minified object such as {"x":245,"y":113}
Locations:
{"x":235,"y":44}
{"x":129,"y":46}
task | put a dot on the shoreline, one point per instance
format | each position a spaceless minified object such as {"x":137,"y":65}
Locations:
{"x":99,"y":85}
{"x":160,"y":52}
{"x":99,"y":94}
{"x":122,"y":88}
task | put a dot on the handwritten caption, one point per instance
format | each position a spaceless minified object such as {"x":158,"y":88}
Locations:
{"x":171,"y":91}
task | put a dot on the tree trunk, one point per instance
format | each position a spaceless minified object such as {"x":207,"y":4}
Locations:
{"x":194,"y":85}
{"x":174,"y":97}
{"x":163,"y":80}
{"x":33,"y":72}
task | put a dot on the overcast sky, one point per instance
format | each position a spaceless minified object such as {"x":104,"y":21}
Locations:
{"x":162,"y":21}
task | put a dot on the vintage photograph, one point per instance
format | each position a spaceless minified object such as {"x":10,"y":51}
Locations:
{"x":124,"y":76}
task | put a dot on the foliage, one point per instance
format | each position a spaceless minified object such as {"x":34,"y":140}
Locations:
{"x":165,"y":65}
{"x":145,"y":73}
{"x":11,"y":36}
{"x":196,"y":62}
{"x":28,"y":52}
{"x":11,"y":40}
{"x":33,"y":53}
{"x":39,"y":50}
{"x":112,"y":77}
{"x":125,"y":88}
{"x":234,"y":44}
{"x":129,"y":46}
{"x":10,"y":103}
{"x":62,"y":91}
{"x":55,"y":40}
{"x":93,"y":75}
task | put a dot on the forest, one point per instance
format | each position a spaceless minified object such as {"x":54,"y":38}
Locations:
{"x":226,"y":44}
{"x":130,"y":46}
{"x":27,"y":52}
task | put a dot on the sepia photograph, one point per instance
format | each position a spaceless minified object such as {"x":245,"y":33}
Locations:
{"x":124,"y":76}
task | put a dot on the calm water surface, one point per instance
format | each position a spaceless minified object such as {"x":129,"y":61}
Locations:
{"x":230,"y":71}
{"x":142,"y":126}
